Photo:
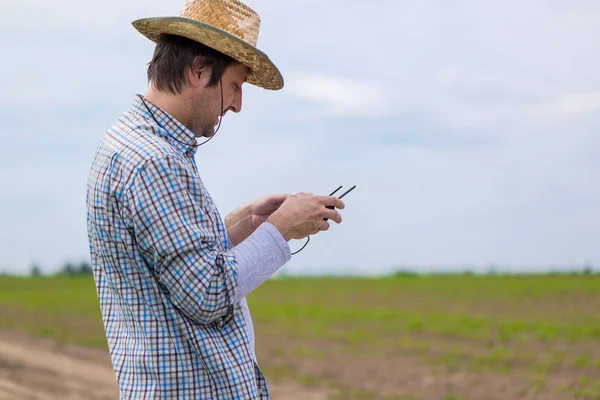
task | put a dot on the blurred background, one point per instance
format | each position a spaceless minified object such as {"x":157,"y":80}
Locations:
{"x":466,"y":265}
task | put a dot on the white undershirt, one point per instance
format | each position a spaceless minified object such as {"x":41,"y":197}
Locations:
{"x":258,"y":257}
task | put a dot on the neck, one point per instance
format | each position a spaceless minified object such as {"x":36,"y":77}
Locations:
{"x":177,"y":106}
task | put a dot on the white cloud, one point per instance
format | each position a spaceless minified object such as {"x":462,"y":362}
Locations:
{"x":576,"y":104}
{"x":335,"y":96}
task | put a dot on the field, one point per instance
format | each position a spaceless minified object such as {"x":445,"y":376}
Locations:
{"x":406,"y":337}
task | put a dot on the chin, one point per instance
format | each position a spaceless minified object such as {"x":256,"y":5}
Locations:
{"x":205,"y":133}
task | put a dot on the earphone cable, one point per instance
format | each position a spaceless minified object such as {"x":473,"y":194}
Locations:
{"x":173,"y":137}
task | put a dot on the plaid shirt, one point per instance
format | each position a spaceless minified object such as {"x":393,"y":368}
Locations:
{"x":163,"y":268}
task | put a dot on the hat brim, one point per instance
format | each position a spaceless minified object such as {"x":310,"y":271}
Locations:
{"x":263,"y":72}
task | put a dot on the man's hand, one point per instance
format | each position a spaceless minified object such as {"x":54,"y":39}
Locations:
{"x":261,"y":209}
{"x":303,"y":214}
{"x":245,"y":219}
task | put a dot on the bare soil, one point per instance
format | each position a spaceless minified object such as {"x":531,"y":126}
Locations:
{"x":45,"y":370}
{"x":34,"y":369}
{"x":407,"y":374}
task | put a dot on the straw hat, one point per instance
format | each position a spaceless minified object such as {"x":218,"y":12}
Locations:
{"x":228,"y":26}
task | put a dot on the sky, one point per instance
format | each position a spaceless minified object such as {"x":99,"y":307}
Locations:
{"x":470,"y":128}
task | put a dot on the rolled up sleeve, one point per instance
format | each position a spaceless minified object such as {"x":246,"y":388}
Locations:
{"x":180,"y":242}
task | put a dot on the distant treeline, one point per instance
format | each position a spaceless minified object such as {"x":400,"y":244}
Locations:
{"x":84,"y":268}
{"x":584,"y":270}
{"x":69,"y":268}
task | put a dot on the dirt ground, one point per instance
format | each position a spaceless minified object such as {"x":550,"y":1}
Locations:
{"x":42,"y":370}
{"x":402,"y":374}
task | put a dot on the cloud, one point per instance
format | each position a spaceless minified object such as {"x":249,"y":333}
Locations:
{"x":576,"y":104}
{"x":335,"y":96}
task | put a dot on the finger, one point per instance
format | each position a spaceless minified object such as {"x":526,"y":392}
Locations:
{"x":331,"y":201}
{"x":323,"y":226}
{"x":305,"y":194}
{"x":280,"y":196}
{"x":314,"y":229}
{"x":332,"y":215}
{"x":277,"y":198}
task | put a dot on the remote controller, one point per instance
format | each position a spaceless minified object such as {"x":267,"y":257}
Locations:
{"x":345,"y":193}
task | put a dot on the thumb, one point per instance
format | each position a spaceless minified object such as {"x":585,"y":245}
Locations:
{"x":278,"y":198}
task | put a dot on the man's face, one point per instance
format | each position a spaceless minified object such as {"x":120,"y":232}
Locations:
{"x":207,"y":104}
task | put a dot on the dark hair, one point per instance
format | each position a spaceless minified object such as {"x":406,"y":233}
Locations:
{"x":174,"y":55}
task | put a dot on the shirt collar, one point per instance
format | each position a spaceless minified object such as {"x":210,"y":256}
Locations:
{"x":166,"y":125}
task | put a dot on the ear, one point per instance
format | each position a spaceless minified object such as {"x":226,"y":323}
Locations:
{"x":198,"y":74}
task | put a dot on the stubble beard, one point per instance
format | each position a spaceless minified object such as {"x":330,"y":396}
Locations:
{"x":206,"y":123}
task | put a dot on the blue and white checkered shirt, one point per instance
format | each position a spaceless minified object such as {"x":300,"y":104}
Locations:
{"x":164,"y":270}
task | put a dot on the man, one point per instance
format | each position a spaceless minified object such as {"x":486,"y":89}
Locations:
{"x":171,"y":275}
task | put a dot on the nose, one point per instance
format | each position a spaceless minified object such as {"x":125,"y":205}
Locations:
{"x":236,"y":104}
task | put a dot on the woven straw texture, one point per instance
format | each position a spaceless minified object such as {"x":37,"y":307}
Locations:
{"x":228,"y":26}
